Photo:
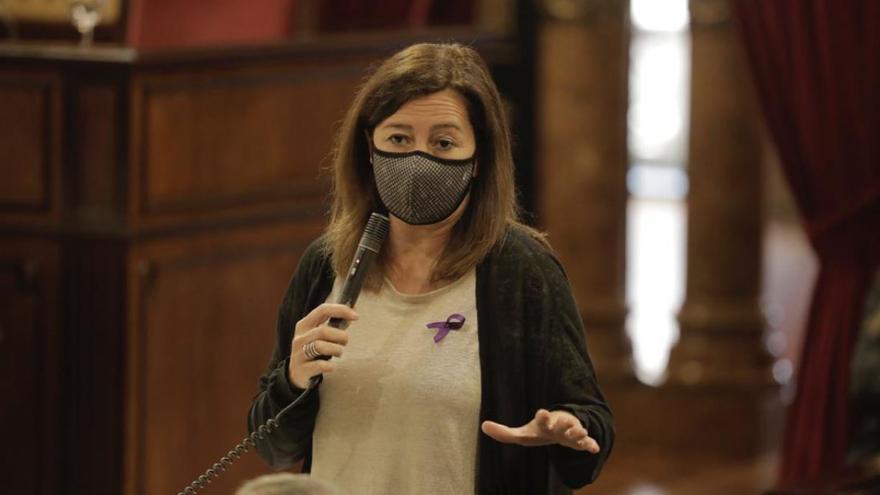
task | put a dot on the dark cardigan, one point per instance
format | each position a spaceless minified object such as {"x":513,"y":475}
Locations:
{"x":532,"y":355}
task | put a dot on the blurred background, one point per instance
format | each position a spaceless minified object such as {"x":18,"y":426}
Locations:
{"x":707,"y":171}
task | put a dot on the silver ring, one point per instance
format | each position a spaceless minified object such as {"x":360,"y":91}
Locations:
{"x":311,"y":351}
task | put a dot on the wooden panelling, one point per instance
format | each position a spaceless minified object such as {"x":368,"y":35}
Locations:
{"x":236,"y":141}
{"x":203,"y":329}
{"x":98,"y":172}
{"x":28,"y":365}
{"x":28,"y":142}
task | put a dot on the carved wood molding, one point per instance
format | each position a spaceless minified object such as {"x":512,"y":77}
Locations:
{"x":150,"y":270}
{"x":584,"y":11}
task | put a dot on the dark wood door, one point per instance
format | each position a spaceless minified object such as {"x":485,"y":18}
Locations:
{"x":28,"y":365}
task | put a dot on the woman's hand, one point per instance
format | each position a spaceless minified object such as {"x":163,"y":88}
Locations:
{"x":314,"y":335}
{"x":546,"y":428}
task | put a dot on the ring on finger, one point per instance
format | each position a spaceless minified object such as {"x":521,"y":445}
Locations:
{"x":311,"y":350}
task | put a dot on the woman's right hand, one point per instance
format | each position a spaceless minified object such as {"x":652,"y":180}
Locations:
{"x":327,"y":341}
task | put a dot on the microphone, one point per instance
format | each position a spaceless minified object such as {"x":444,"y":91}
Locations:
{"x":368,"y":249}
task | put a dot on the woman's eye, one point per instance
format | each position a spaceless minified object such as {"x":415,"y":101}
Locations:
{"x":445,"y":144}
{"x":398,"y":139}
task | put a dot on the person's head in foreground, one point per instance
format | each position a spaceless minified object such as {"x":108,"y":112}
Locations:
{"x":285,"y":484}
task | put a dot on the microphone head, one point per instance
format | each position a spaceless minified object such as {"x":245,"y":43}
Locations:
{"x":375,"y":232}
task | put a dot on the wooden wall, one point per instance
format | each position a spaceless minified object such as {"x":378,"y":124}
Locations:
{"x":153,"y":207}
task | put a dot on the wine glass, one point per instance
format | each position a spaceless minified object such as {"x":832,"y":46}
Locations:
{"x":85,"y":15}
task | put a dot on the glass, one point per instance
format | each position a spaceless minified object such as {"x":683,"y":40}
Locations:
{"x":85,"y":15}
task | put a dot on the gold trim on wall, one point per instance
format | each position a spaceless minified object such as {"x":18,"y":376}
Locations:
{"x":53,"y":11}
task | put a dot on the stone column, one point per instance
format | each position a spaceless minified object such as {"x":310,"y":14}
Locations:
{"x":582,"y":101}
{"x":720,"y":365}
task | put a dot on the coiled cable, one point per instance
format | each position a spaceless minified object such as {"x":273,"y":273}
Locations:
{"x":249,"y":442}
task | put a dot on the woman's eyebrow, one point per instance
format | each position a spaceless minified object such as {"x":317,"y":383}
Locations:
{"x":394,"y":125}
{"x":446,"y":125}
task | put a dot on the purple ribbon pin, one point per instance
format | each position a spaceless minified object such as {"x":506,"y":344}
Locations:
{"x":454,"y":322}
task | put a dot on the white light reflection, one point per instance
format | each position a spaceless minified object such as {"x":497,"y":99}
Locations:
{"x":656,"y":217}
{"x":659,"y":98}
{"x":654,"y":281}
{"x":660,"y":15}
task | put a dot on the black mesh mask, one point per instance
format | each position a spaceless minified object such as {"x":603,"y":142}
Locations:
{"x":420,"y":188}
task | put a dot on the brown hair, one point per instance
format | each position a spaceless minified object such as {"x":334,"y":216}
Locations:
{"x":413,"y":72}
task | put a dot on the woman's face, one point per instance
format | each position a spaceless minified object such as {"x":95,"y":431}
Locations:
{"x":436,"y":124}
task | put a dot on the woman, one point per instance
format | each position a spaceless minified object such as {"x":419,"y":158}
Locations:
{"x":464,"y":367}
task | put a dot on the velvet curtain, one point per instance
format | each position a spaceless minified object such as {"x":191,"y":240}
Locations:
{"x":816,"y":64}
{"x":186,"y":23}
{"x":345,"y":15}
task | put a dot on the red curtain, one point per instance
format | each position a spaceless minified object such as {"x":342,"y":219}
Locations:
{"x":185,"y":23}
{"x":816,"y":64}
{"x":353,"y":15}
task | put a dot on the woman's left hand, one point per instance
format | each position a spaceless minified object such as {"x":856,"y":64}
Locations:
{"x":546,"y":428}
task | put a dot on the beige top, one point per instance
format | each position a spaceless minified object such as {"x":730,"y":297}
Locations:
{"x":400,"y":414}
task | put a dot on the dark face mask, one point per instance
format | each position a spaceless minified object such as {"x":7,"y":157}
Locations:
{"x":420,"y":188}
